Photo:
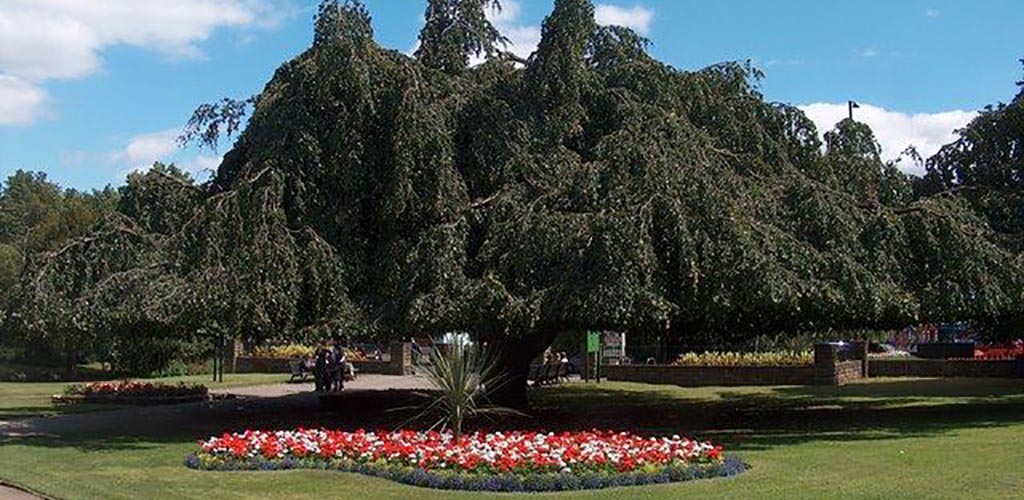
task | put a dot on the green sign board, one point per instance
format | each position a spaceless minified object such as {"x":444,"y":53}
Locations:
{"x":593,"y":342}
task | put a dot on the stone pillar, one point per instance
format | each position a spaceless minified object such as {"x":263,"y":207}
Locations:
{"x":401,"y":358}
{"x":860,"y":351}
{"x":826,"y":356}
{"x":237,"y":349}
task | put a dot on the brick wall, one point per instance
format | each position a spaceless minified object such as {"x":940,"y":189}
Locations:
{"x":914,"y":367}
{"x":826,"y":370}
{"x":846,"y":372}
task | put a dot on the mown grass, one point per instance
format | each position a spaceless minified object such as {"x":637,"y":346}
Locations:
{"x":32,"y":399}
{"x":886,"y":439}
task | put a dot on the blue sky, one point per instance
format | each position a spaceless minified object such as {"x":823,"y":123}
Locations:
{"x":90,"y":90}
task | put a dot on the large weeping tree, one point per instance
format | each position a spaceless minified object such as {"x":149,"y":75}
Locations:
{"x":588,"y":186}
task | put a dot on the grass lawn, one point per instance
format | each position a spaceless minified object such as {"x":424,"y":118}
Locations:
{"x":32,"y":399}
{"x":885,"y":439}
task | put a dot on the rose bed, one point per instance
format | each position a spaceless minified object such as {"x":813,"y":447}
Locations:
{"x":510,"y":461}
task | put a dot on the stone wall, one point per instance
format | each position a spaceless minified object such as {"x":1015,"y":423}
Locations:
{"x":846,"y":372}
{"x":400,"y":363}
{"x":915,"y":367}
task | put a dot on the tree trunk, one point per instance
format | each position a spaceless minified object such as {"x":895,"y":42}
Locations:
{"x":71,"y":370}
{"x":514,"y":357}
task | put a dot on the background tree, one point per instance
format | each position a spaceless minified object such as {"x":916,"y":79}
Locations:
{"x":37,"y":216}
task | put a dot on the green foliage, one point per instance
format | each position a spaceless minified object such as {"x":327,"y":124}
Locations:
{"x":772,"y":358}
{"x":985,"y":165}
{"x":37,"y":216}
{"x":211,"y":120}
{"x":461,"y":375}
{"x":455,"y":30}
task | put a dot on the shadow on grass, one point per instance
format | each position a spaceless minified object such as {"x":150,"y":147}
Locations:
{"x":36,"y":411}
{"x":11,"y":371}
{"x":739,"y":418}
{"x":142,"y":427}
{"x":760,"y":418}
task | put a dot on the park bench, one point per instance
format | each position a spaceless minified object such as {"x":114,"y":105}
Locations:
{"x":547,"y":374}
{"x":298,"y":372}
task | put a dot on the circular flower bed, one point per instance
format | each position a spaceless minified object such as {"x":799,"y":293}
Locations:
{"x":511,"y":461}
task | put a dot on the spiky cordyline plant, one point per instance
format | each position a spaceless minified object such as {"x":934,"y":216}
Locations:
{"x":461,"y":375}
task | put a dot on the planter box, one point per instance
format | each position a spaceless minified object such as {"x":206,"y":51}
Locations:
{"x":128,"y":400}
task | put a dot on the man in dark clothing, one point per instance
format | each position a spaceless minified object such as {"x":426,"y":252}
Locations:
{"x":338,"y":367}
{"x":322,"y":369}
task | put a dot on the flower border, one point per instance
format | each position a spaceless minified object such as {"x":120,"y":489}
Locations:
{"x":452,"y":480}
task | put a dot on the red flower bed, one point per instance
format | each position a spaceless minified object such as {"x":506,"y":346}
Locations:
{"x":1010,"y":350}
{"x":132,"y":388}
{"x":493,"y":453}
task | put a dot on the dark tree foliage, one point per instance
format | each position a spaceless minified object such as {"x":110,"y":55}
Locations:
{"x":984,"y":167}
{"x":593,"y":188}
{"x":455,"y":30}
{"x":209,"y":121}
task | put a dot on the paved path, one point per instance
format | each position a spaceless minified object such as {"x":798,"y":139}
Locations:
{"x":7,"y":493}
{"x":253,"y":406}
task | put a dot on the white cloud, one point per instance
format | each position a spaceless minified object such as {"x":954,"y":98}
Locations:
{"x":869,"y":52}
{"x":522,"y":38}
{"x":636,"y":18}
{"x":895,"y":130}
{"x":783,"y":62}
{"x":144,"y":149}
{"x":42,"y":40}
{"x":932,"y":12}
{"x":20,"y":101}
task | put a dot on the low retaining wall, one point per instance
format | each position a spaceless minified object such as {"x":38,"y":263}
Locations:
{"x":947,"y":368}
{"x":400,"y":364}
{"x":826,"y":370}
{"x":695,"y":376}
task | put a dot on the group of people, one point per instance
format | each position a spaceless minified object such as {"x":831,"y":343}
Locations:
{"x":330,"y":367}
{"x":554,"y":358}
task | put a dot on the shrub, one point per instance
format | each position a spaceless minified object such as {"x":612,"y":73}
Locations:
{"x":777,"y":358}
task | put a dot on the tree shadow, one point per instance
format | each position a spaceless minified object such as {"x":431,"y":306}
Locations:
{"x":778,"y":416}
{"x":739,"y":418}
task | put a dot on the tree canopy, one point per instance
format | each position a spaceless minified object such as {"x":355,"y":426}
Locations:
{"x":588,"y":186}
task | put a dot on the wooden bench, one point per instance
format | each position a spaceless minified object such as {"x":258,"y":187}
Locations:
{"x":298,"y":371}
{"x":547,"y":374}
